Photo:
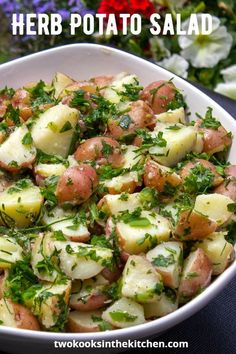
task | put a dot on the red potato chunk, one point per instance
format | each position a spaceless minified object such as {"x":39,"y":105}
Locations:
{"x":94,"y":301}
{"x":196,"y":275}
{"x":214,"y":140}
{"x":102,"y":81}
{"x":230,"y":171}
{"x":193,"y":226}
{"x":139,"y":116}
{"x":25,"y":319}
{"x":76,"y":184}
{"x":159,"y":177}
{"x":103,"y":150}
{"x":86,"y":86}
{"x":227,"y":188}
{"x":159,"y":94}
{"x":186,"y":170}
{"x":21,"y":100}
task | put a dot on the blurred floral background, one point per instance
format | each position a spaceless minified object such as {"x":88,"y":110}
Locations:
{"x":208,"y":60}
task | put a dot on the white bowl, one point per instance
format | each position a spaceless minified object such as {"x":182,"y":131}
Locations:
{"x":82,"y":61}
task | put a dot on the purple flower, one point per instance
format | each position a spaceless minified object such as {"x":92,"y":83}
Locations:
{"x":44,"y":6}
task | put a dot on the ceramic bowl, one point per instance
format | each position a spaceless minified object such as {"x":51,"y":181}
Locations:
{"x":82,"y":61}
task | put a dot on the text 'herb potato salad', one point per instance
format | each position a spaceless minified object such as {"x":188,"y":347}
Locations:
{"x":114,"y":209}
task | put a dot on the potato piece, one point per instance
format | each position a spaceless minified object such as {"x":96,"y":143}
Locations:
{"x":159,"y":94}
{"x":139,"y":116}
{"x":215,"y":140}
{"x":199,"y":144}
{"x":20,"y":207}
{"x":90,"y":296}
{"x":196,"y":275}
{"x":111,"y":93}
{"x":114,"y":204}
{"x":103,"y":150}
{"x":130,"y":180}
{"x":175,"y":116}
{"x":3,"y":277}
{"x":193,"y":225}
{"x":136,"y":239}
{"x":15,"y":152}
{"x":187,"y":170}
{"x":124,"y":313}
{"x":10,"y":252}
{"x":124,"y":183}
{"x":82,"y":261}
{"x":17,"y":316}
{"x":44,"y":251}
{"x":49,"y":302}
{"x":178,"y":144}
{"x":53,"y":131}
{"x":102,"y":81}
{"x":160,"y":177}
{"x":227,"y":188}
{"x":77,"y":232}
{"x":76,"y":184}
{"x":132,"y":157}
{"x":167,"y":303}
{"x":218,"y":250}
{"x":167,"y":260}
{"x":140,"y":281}
{"x":214,"y":206}
{"x":84,"y":322}
{"x":230,"y":171}
{"x":60,"y":82}
{"x":47,"y":170}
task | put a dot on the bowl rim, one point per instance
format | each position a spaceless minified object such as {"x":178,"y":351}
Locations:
{"x":161,"y":324}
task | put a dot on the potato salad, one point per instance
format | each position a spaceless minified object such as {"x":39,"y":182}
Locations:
{"x":115,"y":208}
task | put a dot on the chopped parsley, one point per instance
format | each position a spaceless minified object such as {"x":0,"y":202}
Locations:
{"x":149,"y":141}
{"x":163,"y":261}
{"x":177,"y":102}
{"x":209,"y":121}
{"x":39,"y":94}
{"x":122,"y":316}
{"x":27,"y":139}
{"x":199,"y":180}
{"x":131,"y":91}
{"x":67,"y":126}
{"x":20,"y":185}
{"x":13,"y":114}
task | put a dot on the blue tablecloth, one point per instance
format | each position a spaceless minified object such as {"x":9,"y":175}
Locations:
{"x":213,"y":329}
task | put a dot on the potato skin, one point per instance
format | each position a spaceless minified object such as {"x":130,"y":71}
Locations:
{"x":159,"y":100}
{"x":227,"y":188}
{"x":102,"y":81}
{"x":214,"y":140}
{"x":94,"y":301}
{"x":193,"y":226}
{"x":24,"y":318}
{"x":186,"y":170}
{"x":17,"y":169}
{"x":141,"y":116}
{"x":77,"y":184}
{"x":86,"y":86}
{"x":21,"y":100}
{"x":199,"y":270}
{"x":157,"y":177}
{"x":93,"y":149}
{"x":230,"y":171}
